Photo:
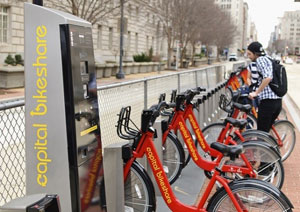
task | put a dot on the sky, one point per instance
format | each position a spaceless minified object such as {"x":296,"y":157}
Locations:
{"x":265,"y":13}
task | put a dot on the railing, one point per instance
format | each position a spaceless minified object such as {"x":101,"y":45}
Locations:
{"x":139,"y":94}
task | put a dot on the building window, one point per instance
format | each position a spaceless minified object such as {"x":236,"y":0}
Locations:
{"x":147,"y":43}
{"x":136,"y":42}
{"x":110,"y":38}
{"x":128,"y":41}
{"x":3,"y":24}
{"x":129,"y":10}
{"x":137,"y":13}
{"x":99,"y":40}
{"x":152,"y":43}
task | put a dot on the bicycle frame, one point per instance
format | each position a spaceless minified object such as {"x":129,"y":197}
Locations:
{"x":234,"y":79}
{"x":146,"y":146}
{"x":178,"y":122}
{"x":233,"y":82}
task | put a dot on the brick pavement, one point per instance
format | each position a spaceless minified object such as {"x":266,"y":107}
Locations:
{"x":291,"y":186}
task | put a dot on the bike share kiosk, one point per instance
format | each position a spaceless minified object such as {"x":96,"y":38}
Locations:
{"x":63,"y":146}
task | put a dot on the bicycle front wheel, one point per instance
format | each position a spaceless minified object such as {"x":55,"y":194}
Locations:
{"x":285,"y":131}
{"x":138,"y":191}
{"x":173,"y":157}
{"x":252,"y":195}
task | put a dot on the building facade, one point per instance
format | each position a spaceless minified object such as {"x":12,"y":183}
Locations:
{"x":11,"y":28}
{"x":142,"y":31}
{"x":289,"y":31}
{"x":239,"y":16}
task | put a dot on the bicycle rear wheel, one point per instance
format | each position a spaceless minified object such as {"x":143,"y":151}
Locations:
{"x":285,"y":130}
{"x":173,"y":157}
{"x":265,"y":161}
{"x":257,"y":135}
{"x":253,"y":195}
{"x":138,"y":191}
{"x":282,"y":115}
{"x":251,"y":122}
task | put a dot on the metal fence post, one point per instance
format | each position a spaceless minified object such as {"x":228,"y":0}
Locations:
{"x":178,"y":83}
{"x":207,"y":80}
{"x":145,"y":94}
{"x":196,"y":76}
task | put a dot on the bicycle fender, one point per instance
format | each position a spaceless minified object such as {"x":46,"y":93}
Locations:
{"x":254,"y":181}
{"x":250,"y":131}
{"x":286,"y":121}
{"x":279,"y":194}
{"x":262,"y":144}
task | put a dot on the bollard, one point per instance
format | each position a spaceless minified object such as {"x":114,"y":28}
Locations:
{"x":205,"y":110}
{"x":113,"y":170}
{"x":212,"y":108}
{"x":201,"y":112}
{"x":209,"y":107}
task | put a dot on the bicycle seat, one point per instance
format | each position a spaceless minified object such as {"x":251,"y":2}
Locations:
{"x":245,"y":108}
{"x":241,"y":123}
{"x":231,"y":151}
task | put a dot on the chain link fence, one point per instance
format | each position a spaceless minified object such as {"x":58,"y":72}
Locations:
{"x":12,"y":150}
{"x":139,"y":94}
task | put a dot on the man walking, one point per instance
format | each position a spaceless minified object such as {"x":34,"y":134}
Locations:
{"x":270,"y":104}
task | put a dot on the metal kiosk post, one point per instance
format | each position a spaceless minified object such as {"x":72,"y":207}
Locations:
{"x":63,"y":141}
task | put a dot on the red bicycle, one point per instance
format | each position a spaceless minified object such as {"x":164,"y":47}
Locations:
{"x":260,"y":159}
{"x":240,"y":195}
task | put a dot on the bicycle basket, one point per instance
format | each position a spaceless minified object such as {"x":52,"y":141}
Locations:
{"x":124,"y":130}
{"x":225,"y":103}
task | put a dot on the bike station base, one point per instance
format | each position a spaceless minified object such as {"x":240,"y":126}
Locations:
{"x":186,"y":188}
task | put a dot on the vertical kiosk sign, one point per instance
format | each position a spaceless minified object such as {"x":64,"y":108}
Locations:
{"x":63,"y":147}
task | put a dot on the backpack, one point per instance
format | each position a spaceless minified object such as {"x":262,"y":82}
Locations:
{"x":279,"y":82}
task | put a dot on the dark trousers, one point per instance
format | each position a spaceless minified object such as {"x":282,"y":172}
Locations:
{"x":268,"y":111}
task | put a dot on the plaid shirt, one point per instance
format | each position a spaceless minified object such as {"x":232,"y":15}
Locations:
{"x":254,"y":76}
{"x":265,"y":69}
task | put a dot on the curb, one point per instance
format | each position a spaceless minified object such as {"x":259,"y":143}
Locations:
{"x":293,"y":109}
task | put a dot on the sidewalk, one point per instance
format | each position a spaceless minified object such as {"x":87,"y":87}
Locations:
{"x":291,"y":187}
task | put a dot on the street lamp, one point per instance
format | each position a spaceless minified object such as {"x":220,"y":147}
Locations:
{"x":120,"y":74}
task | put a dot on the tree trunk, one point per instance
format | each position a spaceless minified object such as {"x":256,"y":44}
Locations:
{"x":169,"y":56}
{"x":193,"y":53}
{"x":182,"y":55}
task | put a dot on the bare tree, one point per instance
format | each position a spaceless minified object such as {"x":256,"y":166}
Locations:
{"x":225,"y":32}
{"x":90,"y":10}
{"x":206,"y":17}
